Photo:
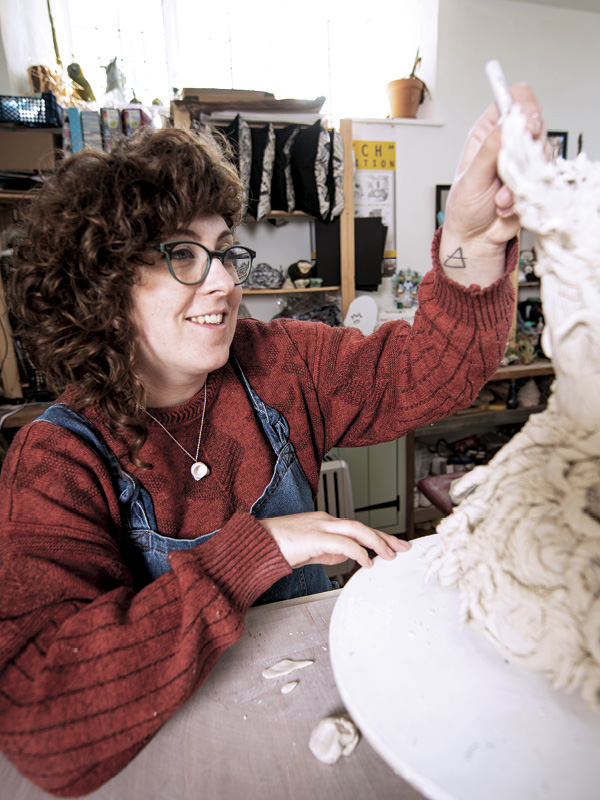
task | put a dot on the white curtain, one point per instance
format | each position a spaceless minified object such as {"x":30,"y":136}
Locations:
{"x":334,"y":48}
{"x":315,"y":47}
{"x":27,"y":38}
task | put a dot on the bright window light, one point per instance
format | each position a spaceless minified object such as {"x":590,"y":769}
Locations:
{"x":317,"y":47}
{"x":131,"y":31}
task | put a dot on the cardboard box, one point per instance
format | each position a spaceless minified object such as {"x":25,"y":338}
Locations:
{"x":30,"y":149}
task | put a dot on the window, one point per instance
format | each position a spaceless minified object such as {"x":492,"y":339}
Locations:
{"x":133,"y":32}
{"x":346,"y":52}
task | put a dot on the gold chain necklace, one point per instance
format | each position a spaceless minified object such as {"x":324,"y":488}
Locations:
{"x":198,"y":469}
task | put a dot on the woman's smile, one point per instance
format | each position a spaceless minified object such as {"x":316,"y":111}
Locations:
{"x":207,"y":319}
{"x":185,"y":331}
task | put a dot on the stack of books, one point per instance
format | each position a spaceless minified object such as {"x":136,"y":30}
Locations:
{"x":82,"y":130}
{"x":99,"y":129}
{"x":112,"y":127}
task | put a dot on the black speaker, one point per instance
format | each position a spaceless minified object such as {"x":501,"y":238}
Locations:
{"x":369,"y":244}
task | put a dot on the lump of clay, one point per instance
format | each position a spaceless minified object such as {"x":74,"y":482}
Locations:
{"x":284,"y":667}
{"x":523,"y":546}
{"x":333,"y":737}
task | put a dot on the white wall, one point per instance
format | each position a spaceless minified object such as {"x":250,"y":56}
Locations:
{"x":554,"y":50}
{"x":5,"y":86}
{"x":279,"y":247}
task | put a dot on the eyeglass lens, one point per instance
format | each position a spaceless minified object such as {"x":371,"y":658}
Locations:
{"x":190,"y":262}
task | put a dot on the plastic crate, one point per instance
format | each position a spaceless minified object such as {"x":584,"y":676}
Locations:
{"x":34,"y":112}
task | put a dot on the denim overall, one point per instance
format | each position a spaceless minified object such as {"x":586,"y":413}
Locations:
{"x":288,"y":492}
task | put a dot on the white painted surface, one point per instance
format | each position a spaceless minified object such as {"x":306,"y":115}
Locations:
{"x":442,"y":707}
{"x":362,"y":314}
{"x":534,"y":43}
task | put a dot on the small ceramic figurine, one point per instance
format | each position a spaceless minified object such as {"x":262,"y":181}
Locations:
{"x":81,"y":85}
{"x":300,"y":273}
{"x":405,"y":284}
{"x":114,"y":77}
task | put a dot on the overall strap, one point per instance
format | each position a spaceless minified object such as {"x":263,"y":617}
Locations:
{"x":128,"y":489}
{"x":257,"y":403}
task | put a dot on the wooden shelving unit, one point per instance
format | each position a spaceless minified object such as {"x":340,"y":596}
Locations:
{"x":185,"y":110}
{"x":293,"y":291}
{"x":283,"y":216}
{"x":516,"y":371}
{"x":463,"y":421}
{"x":10,"y":198}
{"x":347,"y":271}
{"x":10,"y":382}
{"x":23,"y":414}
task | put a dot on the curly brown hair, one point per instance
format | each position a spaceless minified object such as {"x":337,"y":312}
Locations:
{"x":86,"y":232}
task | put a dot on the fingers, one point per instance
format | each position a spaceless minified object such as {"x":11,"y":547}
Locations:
{"x":335,"y":549}
{"x":504,"y":202}
{"x":318,"y":538}
{"x":351,"y":539}
{"x":381,"y":543}
{"x":522,"y":94}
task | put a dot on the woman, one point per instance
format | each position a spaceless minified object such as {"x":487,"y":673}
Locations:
{"x":170,"y":487}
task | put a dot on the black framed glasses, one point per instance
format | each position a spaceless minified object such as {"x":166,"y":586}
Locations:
{"x":189,"y":262}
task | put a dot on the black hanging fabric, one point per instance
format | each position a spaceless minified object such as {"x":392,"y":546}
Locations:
{"x":310,"y":167}
{"x":282,"y":186}
{"x":240,"y":138}
{"x":261,"y":171}
{"x":335,"y":175}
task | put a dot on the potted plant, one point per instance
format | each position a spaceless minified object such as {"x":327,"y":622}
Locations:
{"x":407,"y":94}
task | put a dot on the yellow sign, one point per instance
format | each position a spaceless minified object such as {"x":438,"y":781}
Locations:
{"x":374,"y":155}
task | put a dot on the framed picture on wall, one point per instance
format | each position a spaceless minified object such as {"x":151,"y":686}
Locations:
{"x":441,"y":195}
{"x":558,"y":140}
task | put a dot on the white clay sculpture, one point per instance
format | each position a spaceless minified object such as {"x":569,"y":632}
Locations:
{"x":522,"y":547}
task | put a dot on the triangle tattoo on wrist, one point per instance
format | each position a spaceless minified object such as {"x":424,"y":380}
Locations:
{"x":456,"y":260}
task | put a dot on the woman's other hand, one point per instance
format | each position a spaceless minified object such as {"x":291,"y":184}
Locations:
{"x":480,"y":218}
{"x":315,"y":537}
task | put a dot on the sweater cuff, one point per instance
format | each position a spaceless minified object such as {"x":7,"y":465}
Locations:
{"x":491,"y":305}
{"x":242,"y":559}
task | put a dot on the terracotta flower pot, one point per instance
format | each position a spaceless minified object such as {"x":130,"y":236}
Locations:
{"x":405,"y":96}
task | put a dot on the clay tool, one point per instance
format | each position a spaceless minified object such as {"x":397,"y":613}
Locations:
{"x":499,"y":86}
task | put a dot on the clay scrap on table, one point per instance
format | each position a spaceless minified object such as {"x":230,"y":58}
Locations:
{"x":523,"y":546}
{"x":333,"y":737}
{"x":284,"y":667}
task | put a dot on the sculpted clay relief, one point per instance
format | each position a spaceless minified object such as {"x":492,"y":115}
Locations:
{"x":523,"y":546}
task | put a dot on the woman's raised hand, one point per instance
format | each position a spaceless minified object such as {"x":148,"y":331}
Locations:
{"x":479,"y":218}
{"x":315,"y":537}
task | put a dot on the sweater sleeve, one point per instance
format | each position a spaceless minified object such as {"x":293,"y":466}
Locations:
{"x":361,"y":390}
{"x":405,"y":376}
{"x":89,"y":668}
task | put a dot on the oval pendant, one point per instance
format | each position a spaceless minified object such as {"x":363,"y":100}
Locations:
{"x":199,"y":470}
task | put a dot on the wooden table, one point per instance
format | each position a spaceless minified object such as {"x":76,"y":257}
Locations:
{"x":18,"y":416}
{"x":240,"y":737}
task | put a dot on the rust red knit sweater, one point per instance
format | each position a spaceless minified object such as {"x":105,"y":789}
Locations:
{"x":90,"y":668}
